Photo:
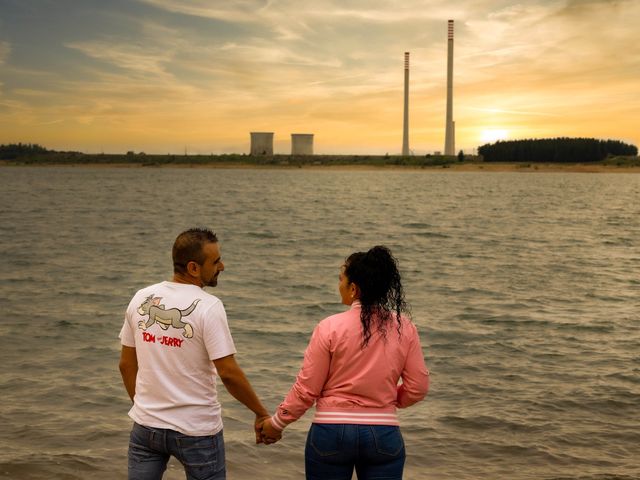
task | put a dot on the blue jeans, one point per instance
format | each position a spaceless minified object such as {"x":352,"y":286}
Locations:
{"x":150,"y":449}
{"x":333,"y":450}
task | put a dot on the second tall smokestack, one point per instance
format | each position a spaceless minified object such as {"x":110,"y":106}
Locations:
{"x":449,"y":137}
{"x":405,"y":129}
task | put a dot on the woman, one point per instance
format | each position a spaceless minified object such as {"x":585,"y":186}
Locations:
{"x":351,"y":369}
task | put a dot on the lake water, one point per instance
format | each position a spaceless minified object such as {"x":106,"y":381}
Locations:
{"x":524,"y":286}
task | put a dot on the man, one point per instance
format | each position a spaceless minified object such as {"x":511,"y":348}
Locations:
{"x":174,"y":339}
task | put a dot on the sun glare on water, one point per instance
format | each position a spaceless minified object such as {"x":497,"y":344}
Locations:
{"x":492,"y":135}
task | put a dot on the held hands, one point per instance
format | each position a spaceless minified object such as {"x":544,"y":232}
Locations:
{"x":257,"y":426}
{"x":270,"y":434}
{"x":265,"y":433}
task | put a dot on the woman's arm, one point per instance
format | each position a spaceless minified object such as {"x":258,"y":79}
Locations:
{"x":415,"y":376}
{"x":309,"y":382}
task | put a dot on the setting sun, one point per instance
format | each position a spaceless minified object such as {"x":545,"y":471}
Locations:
{"x":491,"y":135}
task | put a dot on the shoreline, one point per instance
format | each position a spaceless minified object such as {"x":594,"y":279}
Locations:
{"x":452,"y":167}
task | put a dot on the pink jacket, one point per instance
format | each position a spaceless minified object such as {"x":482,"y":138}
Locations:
{"x":355,"y":386}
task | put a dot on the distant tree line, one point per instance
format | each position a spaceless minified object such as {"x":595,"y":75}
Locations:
{"x":17,"y":150}
{"x":555,"y":150}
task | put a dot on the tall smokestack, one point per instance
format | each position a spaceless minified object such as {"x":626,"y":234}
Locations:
{"x":405,"y":129}
{"x":449,"y":137}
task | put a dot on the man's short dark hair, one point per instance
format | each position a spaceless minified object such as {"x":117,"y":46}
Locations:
{"x":189,"y":247}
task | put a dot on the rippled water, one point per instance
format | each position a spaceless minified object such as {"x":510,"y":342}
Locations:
{"x":524,"y":288}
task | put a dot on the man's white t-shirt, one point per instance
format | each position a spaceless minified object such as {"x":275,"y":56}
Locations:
{"x":177,"y":330}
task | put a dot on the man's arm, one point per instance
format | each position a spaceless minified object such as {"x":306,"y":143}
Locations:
{"x":237,"y":384}
{"x":129,"y":369}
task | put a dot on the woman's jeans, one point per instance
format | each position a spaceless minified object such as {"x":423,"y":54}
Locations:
{"x":332,"y":452}
{"x":150,"y":449}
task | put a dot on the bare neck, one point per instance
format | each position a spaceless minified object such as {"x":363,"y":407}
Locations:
{"x":186,"y":279}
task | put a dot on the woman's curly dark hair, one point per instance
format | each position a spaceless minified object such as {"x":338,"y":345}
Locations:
{"x":381,"y":295}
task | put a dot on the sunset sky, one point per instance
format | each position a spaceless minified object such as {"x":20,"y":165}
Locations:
{"x":198,"y":75}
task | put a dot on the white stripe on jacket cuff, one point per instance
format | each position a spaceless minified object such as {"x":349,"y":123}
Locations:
{"x":277,"y":423}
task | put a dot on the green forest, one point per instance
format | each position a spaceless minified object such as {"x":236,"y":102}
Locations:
{"x":555,"y":150}
{"x":17,"y":150}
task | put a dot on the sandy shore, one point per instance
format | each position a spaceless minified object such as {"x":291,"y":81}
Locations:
{"x":453,"y":167}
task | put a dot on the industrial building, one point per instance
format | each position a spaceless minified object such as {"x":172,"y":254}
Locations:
{"x":302,"y":144}
{"x":261,"y":143}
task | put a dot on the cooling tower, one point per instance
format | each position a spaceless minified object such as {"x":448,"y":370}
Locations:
{"x":405,"y":123}
{"x":449,"y":137}
{"x":302,"y":144}
{"x":262,"y":143}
